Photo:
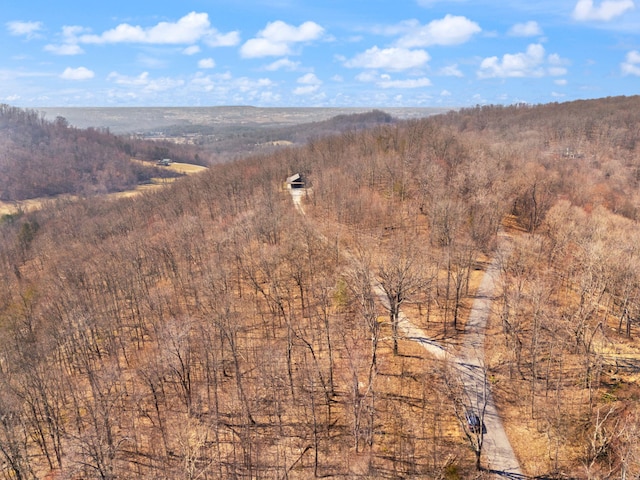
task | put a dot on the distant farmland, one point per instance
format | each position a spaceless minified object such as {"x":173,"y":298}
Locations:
{"x":130,"y":120}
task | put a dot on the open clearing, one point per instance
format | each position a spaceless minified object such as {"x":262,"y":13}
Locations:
{"x":11,"y":208}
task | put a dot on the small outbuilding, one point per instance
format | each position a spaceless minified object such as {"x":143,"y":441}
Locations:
{"x":295,"y":181}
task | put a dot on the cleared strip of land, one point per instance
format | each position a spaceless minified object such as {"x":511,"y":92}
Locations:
{"x":11,"y":208}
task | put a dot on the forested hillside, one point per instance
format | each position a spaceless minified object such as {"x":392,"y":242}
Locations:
{"x":39,"y":158}
{"x":212,"y":330}
{"x":235,"y":140}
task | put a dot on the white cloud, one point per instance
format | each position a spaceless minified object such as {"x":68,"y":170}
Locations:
{"x":283,"y":64}
{"x":385,"y":81}
{"x":217,"y":39}
{"x":191,"y":50}
{"x":306,"y":90}
{"x":531,"y":63}
{"x":70,"y":32}
{"x":310,"y":84}
{"x":69,"y":45}
{"x":527,"y":29}
{"x":451,"y":30}
{"x":261,"y":47}
{"x":64,"y":49}
{"x":631,"y":65}
{"x":279,"y":31}
{"x":27,"y":29}
{"x":142,"y":79}
{"x":163,"y":84}
{"x":80,"y":73}
{"x":451,"y":71}
{"x":389,"y":59}
{"x":409,"y":83}
{"x":608,"y":9}
{"x":309,"y":79}
{"x":208,"y":83}
{"x":561,"y":82}
{"x":278,"y":38}
{"x":207,"y":63}
{"x":191,"y":28}
{"x":145,"y":83}
{"x":223,"y":87}
{"x":557,"y":65}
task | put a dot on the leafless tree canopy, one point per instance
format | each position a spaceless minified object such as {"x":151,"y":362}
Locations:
{"x":209,"y":330}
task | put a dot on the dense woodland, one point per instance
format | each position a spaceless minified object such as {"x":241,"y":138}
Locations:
{"x":210,"y":330}
{"x":39,"y":158}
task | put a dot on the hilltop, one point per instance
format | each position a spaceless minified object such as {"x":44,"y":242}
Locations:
{"x":212,"y":330}
{"x":47,"y":158}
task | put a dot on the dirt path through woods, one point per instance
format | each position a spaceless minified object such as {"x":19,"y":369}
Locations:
{"x":497,"y":454}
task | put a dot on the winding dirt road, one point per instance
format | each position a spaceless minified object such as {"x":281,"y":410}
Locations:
{"x":497,"y":454}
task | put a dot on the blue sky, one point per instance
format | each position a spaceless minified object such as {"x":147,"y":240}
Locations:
{"x":306,"y":53}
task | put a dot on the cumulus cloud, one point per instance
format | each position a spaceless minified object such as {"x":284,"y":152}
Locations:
{"x":527,"y":29}
{"x":191,"y":50}
{"x":278,"y":39}
{"x":283,"y":64}
{"x":450,"y":30}
{"x":217,"y":39}
{"x":189,"y":29}
{"x":80,"y":73}
{"x":208,"y":83}
{"x":309,"y":79}
{"x":389,"y":59}
{"x":207,"y":63}
{"x":631,"y":65}
{"x":532,"y":63}
{"x":608,"y":9}
{"x":27,"y":29}
{"x":557,"y":65}
{"x":223,"y":87}
{"x":306,"y":90}
{"x":69,"y":45}
{"x":310,"y":83}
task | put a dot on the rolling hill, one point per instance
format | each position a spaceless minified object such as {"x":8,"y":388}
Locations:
{"x":209,"y":330}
